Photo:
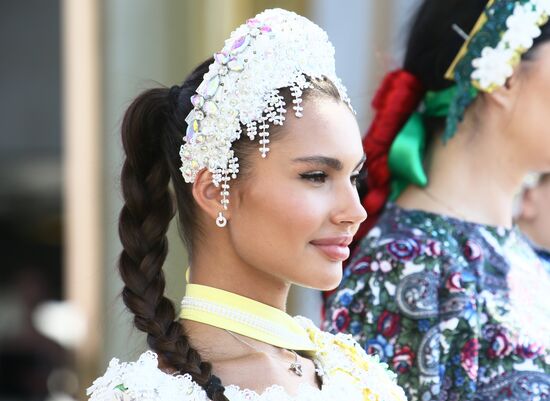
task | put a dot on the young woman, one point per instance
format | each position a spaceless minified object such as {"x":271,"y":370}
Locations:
{"x":265,"y":190}
{"x":444,"y":287}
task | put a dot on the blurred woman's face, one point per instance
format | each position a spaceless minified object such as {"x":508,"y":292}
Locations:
{"x":295,"y":213}
{"x":535,"y":213}
{"x":530,"y":117}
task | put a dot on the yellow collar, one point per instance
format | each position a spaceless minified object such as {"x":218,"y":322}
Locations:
{"x":244,"y":316}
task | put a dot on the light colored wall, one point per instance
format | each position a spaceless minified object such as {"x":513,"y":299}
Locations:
{"x":145,"y":45}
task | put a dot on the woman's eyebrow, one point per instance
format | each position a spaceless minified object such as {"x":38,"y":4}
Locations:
{"x":327,"y":161}
{"x":321,"y":160}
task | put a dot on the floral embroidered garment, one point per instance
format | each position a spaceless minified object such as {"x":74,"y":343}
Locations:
{"x":460,"y":311}
{"x":346,"y":372}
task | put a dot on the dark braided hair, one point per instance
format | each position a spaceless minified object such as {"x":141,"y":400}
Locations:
{"x":152,"y":133}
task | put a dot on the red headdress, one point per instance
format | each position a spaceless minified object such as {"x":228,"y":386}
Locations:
{"x":397,"y":98}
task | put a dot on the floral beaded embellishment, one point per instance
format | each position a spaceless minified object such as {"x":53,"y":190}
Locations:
{"x":274,"y":50}
{"x":504,"y":32}
{"x":496,"y":64}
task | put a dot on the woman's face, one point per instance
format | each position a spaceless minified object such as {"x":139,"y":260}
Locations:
{"x":535,"y":214}
{"x":532,"y":109}
{"x":294,"y":215}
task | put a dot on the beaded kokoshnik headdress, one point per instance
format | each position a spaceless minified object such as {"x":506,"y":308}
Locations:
{"x":274,"y":50}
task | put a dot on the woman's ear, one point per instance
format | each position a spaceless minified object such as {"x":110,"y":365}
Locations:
{"x":505,"y":97}
{"x":207,"y":195}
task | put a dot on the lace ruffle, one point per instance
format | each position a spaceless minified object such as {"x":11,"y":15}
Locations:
{"x":346,"y":371}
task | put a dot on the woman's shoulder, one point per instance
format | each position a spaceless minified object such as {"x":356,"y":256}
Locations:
{"x":340,"y":358}
{"x":143,"y":380}
{"x":421,"y":225}
{"x":404,"y":238}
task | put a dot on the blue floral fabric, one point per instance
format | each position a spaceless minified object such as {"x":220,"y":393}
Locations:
{"x":460,"y":311}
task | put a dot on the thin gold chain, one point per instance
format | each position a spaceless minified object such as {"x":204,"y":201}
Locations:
{"x":295,"y":367}
{"x":444,"y":204}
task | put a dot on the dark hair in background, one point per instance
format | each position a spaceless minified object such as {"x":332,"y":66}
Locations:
{"x":152,"y":134}
{"x":431,"y":47}
{"x":433,"y":43}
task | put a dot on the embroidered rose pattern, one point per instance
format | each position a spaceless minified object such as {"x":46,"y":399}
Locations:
{"x":428,"y":294}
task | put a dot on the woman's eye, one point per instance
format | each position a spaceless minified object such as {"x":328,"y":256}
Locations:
{"x":318,"y":177}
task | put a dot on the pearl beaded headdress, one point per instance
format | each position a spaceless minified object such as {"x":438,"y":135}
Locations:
{"x":274,"y":50}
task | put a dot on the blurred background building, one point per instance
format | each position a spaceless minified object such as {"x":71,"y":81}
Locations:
{"x":68,"y":70}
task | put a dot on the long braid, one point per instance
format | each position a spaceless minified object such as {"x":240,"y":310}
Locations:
{"x":144,"y":221}
{"x":152,"y":132}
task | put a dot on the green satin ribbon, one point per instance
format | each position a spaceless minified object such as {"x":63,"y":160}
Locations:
{"x":405,"y":159}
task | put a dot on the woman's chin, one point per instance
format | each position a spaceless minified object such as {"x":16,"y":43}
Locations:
{"x":328,"y":280}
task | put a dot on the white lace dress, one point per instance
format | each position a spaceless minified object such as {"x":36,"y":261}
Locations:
{"x":346,"y":371}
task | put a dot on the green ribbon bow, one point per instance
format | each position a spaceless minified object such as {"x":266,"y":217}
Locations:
{"x":406,"y":155}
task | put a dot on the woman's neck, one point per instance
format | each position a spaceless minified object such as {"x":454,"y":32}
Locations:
{"x":473,"y":177}
{"x":221,"y":268}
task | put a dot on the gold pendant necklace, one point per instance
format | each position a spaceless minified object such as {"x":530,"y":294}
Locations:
{"x":295,"y":367}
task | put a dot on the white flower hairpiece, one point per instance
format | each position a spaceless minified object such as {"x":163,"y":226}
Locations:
{"x":274,"y":50}
{"x":496,"y":64}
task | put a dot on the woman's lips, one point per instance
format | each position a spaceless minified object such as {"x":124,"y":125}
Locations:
{"x":336,"y":249}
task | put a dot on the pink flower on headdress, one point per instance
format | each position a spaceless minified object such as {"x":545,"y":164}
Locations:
{"x":256,"y":23}
{"x":253,"y":22}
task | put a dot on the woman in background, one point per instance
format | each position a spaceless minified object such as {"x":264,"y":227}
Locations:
{"x":443,"y":287}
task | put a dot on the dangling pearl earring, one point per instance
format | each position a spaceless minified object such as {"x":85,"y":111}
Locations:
{"x":221,"y":221}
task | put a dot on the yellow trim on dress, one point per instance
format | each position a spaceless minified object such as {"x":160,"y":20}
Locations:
{"x":357,"y":366}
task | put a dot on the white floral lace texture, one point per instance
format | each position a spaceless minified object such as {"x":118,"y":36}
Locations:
{"x":495,"y":65}
{"x":346,"y":371}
